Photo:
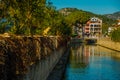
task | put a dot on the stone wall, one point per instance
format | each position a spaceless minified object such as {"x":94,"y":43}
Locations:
{"x":17,"y":53}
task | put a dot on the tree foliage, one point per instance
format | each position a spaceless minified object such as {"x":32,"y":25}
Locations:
{"x":24,"y":14}
{"x":35,"y":16}
{"x":32,"y":17}
{"x":79,"y":16}
{"x":106,"y":23}
{"x":115,"y":35}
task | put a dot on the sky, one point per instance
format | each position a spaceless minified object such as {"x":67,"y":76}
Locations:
{"x":95,"y":6}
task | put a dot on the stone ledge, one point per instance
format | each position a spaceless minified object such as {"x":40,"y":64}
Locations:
{"x":59,"y":70}
{"x":109,"y":44}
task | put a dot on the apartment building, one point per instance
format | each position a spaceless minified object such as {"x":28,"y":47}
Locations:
{"x":93,"y":27}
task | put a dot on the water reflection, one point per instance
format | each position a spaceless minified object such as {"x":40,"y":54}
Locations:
{"x":93,"y":63}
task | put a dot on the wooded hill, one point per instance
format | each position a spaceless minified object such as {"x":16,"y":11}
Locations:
{"x":74,"y":15}
{"x":114,"y":16}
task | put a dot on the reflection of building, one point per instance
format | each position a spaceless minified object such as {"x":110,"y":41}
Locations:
{"x":78,"y":58}
{"x":86,"y":51}
{"x":93,"y":27}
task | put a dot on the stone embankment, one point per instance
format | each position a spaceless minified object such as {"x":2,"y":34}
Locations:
{"x":17,"y":53}
{"x":108,"y":43}
{"x":59,"y":70}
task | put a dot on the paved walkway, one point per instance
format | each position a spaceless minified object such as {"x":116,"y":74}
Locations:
{"x":108,"y":43}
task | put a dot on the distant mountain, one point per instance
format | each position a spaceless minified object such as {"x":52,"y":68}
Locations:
{"x":114,"y":16}
{"x":107,"y":18}
{"x":67,"y":11}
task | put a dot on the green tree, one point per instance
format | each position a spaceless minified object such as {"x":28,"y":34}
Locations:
{"x":34,"y":17}
{"x":115,"y":35}
{"x":24,"y":14}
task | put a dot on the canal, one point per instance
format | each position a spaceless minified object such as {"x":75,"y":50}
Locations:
{"x":92,"y":62}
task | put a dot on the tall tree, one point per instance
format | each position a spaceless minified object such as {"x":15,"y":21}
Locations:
{"x":23,"y":13}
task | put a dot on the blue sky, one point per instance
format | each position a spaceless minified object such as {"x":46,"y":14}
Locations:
{"x":95,"y":6}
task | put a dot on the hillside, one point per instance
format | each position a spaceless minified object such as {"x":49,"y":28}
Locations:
{"x":106,"y":18}
{"x":114,"y":16}
{"x":67,"y":11}
{"x":74,"y":16}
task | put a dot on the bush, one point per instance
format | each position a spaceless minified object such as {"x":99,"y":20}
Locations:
{"x":115,"y":36}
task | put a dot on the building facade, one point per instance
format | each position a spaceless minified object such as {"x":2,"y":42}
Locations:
{"x":93,"y":27}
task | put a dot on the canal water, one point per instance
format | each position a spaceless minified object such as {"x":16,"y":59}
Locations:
{"x":92,"y":62}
